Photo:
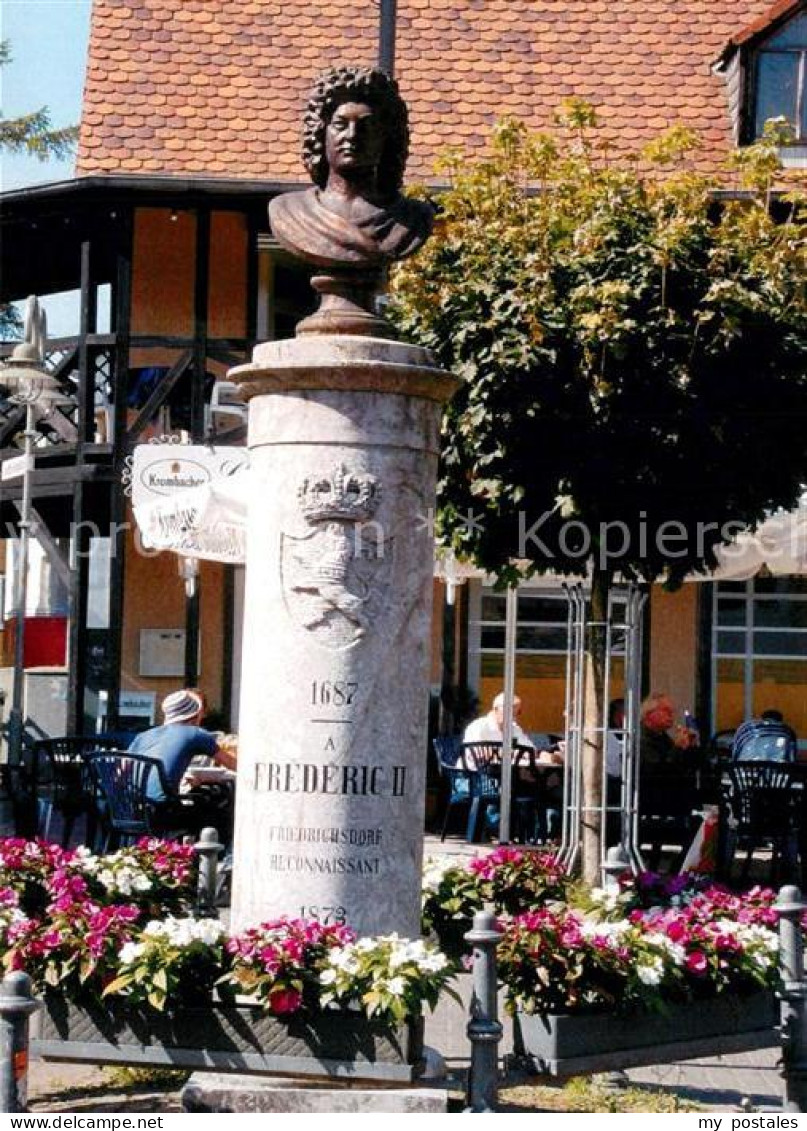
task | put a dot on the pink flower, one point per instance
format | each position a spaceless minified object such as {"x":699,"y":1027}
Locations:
{"x":697,"y":963}
{"x":285,"y":1001}
{"x":678,"y":932}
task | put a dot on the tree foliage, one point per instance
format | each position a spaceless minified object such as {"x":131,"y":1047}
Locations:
{"x":32,"y":133}
{"x":632,"y":346}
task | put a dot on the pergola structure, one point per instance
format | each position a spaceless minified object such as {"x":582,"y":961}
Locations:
{"x":80,"y":235}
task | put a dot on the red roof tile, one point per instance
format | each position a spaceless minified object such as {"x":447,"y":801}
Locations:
{"x":199,"y":86}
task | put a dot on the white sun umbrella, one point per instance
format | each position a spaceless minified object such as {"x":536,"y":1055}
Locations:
{"x":779,"y":544}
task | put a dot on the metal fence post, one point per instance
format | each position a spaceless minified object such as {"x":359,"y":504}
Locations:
{"x":17,"y":1003}
{"x":208,"y":848}
{"x":484,"y":1028}
{"x":791,"y":907}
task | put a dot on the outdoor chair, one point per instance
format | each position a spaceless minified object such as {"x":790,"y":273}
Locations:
{"x":453,"y":774}
{"x":483,"y":762}
{"x":669,"y":801}
{"x":126,"y":812}
{"x":62,"y":785}
{"x":760,"y":803}
{"x":125,"y":785}
{"x":764,"y":740}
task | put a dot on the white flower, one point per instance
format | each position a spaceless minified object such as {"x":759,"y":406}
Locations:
{"x":131,"y":951}
{"x":433,"y":962}
{"x":328,"y":976}
{"x":344,"y":959}
{"x":396,"y":985}
{"x":435,"y":871}
{"x":650,"y":973}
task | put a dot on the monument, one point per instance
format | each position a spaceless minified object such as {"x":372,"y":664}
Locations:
{"x":343,"y":435}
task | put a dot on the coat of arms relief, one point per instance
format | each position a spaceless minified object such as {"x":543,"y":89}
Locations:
{"x":336,"y":576}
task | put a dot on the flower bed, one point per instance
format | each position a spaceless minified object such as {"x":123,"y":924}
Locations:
{"x":236,"y":1038}
{"x":652,"y":944}
{"x":86,"y":925}
{"x":509,"y":879}
{"x":569,"y":1044}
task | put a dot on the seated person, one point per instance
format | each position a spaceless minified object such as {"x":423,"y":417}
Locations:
{"x":488,"y":728}
{"x":176,"y":743}
{"x":658,"y":749}
{"x":614,"y":739}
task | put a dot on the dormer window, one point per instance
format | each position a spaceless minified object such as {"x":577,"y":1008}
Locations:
{"x":764,"y":66}
{"x":779,"y":78}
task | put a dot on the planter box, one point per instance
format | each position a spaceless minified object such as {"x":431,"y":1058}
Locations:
{"x":566,"y":1044}
{"x":231,"y":1039}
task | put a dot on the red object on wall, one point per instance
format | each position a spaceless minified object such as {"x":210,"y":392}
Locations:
{"x":45,"y":642}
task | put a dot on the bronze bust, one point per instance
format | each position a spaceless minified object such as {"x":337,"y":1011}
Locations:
{"x":355,"y":221}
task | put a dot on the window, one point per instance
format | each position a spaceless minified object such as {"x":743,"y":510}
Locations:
{"x":542,"y":639}
{"x":779,"y":69}
{"x":759,"y":650}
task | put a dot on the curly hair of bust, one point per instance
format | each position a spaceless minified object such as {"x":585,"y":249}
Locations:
{"x":357,"y":84}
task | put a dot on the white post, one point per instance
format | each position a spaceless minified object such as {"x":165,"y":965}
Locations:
{"x":510,"y":630}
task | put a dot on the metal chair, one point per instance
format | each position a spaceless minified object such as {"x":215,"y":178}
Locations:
{"x":453,"y":773}
{"x":760,"y":802}
{"x":126,"y":810}
{"x":62,"y":785}
{"x":483,"y":762}
{"x":669,"y":800}
{"x":764,"y":740}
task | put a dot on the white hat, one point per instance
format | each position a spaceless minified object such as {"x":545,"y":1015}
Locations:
{"x":180,"y":706}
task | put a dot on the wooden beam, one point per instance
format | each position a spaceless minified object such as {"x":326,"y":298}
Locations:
{"x":15,"y":421}
{"x":122,"y":315}
{"x":200,"y":318}
{"x":79,"y":594}
{"x":86,"y":357}
{"x":159,"y":396}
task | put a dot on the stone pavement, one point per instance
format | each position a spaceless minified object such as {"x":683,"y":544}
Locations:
{"x":719,"y":1083}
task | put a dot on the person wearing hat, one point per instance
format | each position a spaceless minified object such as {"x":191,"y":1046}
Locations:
{"x":176,"y":743}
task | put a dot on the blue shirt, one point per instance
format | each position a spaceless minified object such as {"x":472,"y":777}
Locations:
{"x":175,"y":745}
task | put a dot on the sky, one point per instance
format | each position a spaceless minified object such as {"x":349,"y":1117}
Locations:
{"x":48,"y":40}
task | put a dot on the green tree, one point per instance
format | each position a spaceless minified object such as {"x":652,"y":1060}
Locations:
{"x":33,"y":135}
{"x":632,"y":344}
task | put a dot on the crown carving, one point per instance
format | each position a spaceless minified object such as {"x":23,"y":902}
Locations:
{"x":343,"y":494}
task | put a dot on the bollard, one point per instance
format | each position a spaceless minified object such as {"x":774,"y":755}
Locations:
{"x":791,"y":907}
{"x":616,"y":865}
{"x":484,"y":1028}
{"x":207,"y":848}
{"x":17,"y":1003}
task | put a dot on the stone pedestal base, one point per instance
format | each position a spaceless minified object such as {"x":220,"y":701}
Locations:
{"x":215,"y":1092}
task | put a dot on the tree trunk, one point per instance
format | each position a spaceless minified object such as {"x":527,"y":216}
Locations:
{"x":594,"y":715}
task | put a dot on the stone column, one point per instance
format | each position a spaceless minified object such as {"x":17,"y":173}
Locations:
{"x":343,"y":439}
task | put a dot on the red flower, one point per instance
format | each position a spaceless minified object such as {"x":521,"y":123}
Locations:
{"x":697,"y":963}
{"x":285,"y":1001}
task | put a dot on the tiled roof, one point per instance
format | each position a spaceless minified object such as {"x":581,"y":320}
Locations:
{"x":214,"y":88}
{"x":772,"y":15}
